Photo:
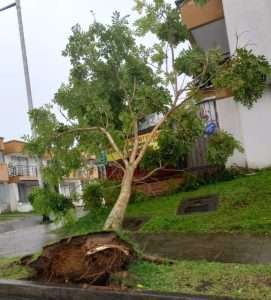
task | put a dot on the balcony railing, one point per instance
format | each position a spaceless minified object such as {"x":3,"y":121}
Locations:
{"x":22,"y":170}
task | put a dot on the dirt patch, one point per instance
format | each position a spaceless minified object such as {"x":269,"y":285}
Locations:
{"x":89,"y":259}
{"x":198,"y":205}
{"x":134,"y":223}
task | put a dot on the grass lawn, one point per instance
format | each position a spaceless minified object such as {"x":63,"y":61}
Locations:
{"x":238,"y":281}
{"x":245,"y":206}
{"x":10,"y":269}
{"x":13,"y":216}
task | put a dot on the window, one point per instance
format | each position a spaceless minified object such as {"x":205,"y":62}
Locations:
{"x":19,"y":160}
{"x":208,"y":112}
{"x":68,"y":188}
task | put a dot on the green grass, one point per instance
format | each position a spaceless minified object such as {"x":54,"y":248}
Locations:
{"x":91,"y":222}
{"x":232,"y":280}
{"x":245,"y":206}
{"x":11,"y":269}
{"x":237,"y":281}
{"x":13,"y":216}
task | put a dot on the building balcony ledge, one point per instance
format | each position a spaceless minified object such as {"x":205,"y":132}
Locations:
{"x":196,"y":16}
{"x":213,"y":93}
{"x":3,"y":173}
{"x":19,"y":173}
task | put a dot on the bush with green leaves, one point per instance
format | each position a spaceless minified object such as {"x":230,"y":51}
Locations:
{"x":97,"y":194}
{"x":210,"y":175}
{"x":93,"y":195}
{"x":175,"y":140}
{"x":51,"y":204}
{"x":221,"y":147}
{"x":245,"y":74}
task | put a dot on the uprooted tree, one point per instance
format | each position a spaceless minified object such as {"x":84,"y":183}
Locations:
{"x":115,"y":82}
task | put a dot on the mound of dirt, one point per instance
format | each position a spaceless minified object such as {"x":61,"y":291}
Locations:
{"x":89,"y":259}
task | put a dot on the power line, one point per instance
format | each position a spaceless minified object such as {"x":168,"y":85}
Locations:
{"x":7,"y":7}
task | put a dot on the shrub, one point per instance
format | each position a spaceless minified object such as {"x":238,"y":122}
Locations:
{"x":138,"y":197}
{"x":97,"y":194}
{"x":93,"y":195}
{"x":221,"y":146}
{"x":111,"y":190}
{"x":48,"y":203}
{"x":193,"y":182}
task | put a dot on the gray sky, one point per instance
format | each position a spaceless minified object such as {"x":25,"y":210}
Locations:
{"x":47,"y":27}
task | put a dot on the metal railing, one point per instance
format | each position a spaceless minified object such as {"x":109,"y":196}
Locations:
{"x":22,"y":170}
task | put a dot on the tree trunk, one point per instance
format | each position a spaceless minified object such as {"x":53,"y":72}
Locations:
{"x":116,"y":216}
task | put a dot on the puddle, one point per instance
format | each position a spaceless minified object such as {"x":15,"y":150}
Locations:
{"x":24,"y":236}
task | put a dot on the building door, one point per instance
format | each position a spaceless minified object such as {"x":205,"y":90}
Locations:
{"x":25,"y":189}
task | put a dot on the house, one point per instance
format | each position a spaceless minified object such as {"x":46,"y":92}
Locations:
{"x":224,"y":24}
{"x":19,"y":174}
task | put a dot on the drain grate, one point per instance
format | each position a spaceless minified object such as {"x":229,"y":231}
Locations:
{"x":198,"y":205}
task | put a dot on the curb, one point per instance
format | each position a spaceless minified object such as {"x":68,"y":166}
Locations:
{"x":31,"y":290}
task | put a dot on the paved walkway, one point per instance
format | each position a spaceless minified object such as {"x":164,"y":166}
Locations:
{"x":24,"y":236}
{"x":219,"y":247}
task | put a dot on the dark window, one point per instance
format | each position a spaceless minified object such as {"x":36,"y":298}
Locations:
{"x":208,"y":112}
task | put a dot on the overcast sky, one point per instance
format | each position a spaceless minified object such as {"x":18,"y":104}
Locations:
{"x":47,"y":26}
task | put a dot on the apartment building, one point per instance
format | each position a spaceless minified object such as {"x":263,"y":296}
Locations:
{"x":19,"y":174}
{"x":217,"y":25}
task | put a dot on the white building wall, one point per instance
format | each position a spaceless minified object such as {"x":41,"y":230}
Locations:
{"x":257,"y":124}
{"x":9,"y":197}
{"x":251,"y":21}
{"x":4,"y":198}
{"x":229,"y":120}
{"x":13,"y":196}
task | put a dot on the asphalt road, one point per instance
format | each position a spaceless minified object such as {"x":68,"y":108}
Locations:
{"x":23,"y":237}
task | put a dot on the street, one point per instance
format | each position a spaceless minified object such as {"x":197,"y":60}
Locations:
{"x":23,"y":237}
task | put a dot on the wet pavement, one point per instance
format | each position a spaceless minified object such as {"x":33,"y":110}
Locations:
{"x":27,"y":236}
{"x":24,"y":236}
{"x":216,"y":247}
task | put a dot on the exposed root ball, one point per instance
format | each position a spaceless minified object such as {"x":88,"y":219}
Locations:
{"x":84,"y":259}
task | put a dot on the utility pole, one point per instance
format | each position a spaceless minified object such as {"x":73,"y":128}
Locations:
{"x":27,"y":80}
{"x":26,"y":74}
{"x":25,"y":62}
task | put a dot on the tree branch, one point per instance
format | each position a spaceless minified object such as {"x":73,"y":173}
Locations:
{"x":142,"y":179}
{"x":157,"y":126}
{"x":105,"y":132}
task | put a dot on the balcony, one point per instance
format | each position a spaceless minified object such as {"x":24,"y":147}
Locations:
{"x":3,"y":173}
{"x":22,"y":173}
{"x":196,"y":16}
{"x":207,"y":25}
{"x":14,"y":146}
{"x":212,"y":93}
